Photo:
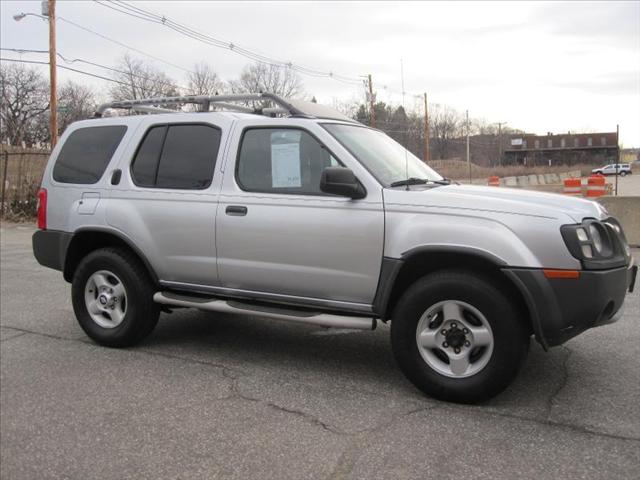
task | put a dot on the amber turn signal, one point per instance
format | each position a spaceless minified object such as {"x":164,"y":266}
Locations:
{"x":562,"y":273}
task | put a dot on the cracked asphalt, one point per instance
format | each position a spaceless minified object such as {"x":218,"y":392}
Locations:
{"x":215,"y":396}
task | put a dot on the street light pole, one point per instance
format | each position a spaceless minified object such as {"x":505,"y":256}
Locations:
{"x":53,"y":79}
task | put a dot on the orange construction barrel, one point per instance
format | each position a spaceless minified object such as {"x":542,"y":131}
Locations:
{"x":596,"y":186}
{"x":572,"y":186}
{"x":494,"y":181}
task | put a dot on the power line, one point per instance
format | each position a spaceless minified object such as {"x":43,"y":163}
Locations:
{"x":74,"y":60}
{"x":150,"y":16}
{"x":142,"y":14}
{"x":62,"y":66}
{"x":129,"y":47}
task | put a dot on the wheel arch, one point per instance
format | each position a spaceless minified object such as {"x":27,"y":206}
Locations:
{"x":86,"y":240}
{"x":398,"y":274}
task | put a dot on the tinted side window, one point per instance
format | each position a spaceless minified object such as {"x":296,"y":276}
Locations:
{"x":282,"y":161}
{"x":145,"y":163}
{"x":188,"y":157}
{"x":86,"y":153}
{"x":177,"y":156}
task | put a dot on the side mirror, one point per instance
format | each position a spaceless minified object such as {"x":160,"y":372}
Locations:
{"x":341,"y":181}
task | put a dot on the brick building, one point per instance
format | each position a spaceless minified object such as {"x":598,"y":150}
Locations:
{"x":565,"y":149}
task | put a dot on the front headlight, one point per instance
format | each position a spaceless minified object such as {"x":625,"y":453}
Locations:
{"x":598,"y":245}
{"x":600,"y":239}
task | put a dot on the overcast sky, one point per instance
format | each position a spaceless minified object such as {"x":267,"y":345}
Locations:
{"x":538,"y":66}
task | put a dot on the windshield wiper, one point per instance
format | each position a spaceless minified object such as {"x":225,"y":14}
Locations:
{"x":419,"y":181}
{"x":444,"y":181}
{"x":409,"y":181}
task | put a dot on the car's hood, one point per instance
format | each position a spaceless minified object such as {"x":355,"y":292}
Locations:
{"x":494,"y":199}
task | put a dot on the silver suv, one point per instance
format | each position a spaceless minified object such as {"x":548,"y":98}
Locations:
{"x":621,"y":169}
{"x":289,"y":210}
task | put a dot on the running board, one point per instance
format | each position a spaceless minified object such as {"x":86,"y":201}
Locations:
{"x":289,"y":315}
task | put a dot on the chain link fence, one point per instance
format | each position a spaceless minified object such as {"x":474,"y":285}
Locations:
{"x":22,"y":170}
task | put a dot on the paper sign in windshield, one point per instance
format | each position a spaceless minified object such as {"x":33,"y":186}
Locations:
{"x":285,"y":165}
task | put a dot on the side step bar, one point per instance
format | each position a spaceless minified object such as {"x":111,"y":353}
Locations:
{"x":237,"y":307}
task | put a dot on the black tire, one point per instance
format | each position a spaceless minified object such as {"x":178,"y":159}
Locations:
{"x":623,"y":174}
{"x":511,"y":335}
{"x":142,"y":312}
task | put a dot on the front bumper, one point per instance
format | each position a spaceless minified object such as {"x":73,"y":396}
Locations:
{"x":564,"y":308}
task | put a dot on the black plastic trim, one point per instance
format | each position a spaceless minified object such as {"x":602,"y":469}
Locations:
{"x":236,"y":210}
{"x":455,"y":249}
{"x":564,"y":308}
{"x":532,"y":291}
{"x":388,"y":273}
{"x":391,"y":267}
{"x":116,"y":175}
{"x":50,"y":248}
{"x":127,"y":241}
{"x":613,"y":255}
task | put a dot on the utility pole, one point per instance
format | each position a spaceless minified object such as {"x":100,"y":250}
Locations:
{"x":53,"y":80}
{"x":617,"y":156}
{"x":468,"y":158}
{"x":500,"y":142}
{"x":371,"y":104}
{"x":425,"y":155}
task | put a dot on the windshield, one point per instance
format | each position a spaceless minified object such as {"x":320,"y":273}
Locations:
{"x":380,"y":154}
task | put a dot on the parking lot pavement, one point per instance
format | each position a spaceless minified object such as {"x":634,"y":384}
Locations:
{"x":628,"y":185}
{"x":215,"y":396}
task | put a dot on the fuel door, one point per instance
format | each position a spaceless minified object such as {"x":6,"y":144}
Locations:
{"x":88,"y":203}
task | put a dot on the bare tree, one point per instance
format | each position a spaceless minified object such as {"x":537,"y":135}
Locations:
{"x":76,"y":102}
{"x":480,"y":126}
{"x":204,"y":81}
{"x":141,"y":80}
{"x":24,"y":98}
{"x":444,"y":126}
{"x":267,"y":78}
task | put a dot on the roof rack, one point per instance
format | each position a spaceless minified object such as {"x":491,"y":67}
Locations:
{"x":281,"y":106}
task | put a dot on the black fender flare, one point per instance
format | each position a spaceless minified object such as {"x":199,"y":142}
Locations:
{"x":120,"y":236}
{"x":391,"y":268}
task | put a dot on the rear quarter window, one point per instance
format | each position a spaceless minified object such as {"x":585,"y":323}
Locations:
{"x":86,"y":153}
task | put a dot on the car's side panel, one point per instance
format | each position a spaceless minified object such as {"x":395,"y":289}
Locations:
{"x":67,"y":210}
{"x":174,"y":227}
{"x":324,"y":247}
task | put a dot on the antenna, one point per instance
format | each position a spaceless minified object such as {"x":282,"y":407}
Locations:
{"x":406,"y":157}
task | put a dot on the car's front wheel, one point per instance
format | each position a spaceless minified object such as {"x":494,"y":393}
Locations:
{"x":112,"y":297}
{"x":457,"y":337}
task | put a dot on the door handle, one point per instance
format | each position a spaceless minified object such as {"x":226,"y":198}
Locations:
{"x":115,"y":177}
{"x":236,"y":210}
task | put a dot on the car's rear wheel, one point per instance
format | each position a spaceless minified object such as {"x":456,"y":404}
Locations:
{"x":112,"y":297}
{"x":458,"y":337}
{"x":623,"y":174}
